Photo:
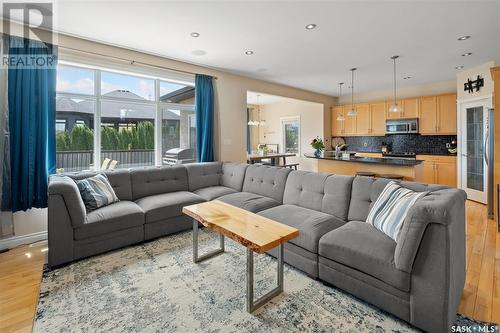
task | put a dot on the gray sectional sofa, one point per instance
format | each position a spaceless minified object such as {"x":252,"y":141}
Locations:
{"x":418,"y":278}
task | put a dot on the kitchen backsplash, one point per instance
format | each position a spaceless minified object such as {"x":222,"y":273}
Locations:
{"x":415,"y":143}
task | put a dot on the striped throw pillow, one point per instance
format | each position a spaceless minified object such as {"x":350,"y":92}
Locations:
{"x":96,"y":192}
{"x":389,"y":211}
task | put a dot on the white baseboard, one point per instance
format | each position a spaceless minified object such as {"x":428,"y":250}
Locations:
{"x":12,"y":242}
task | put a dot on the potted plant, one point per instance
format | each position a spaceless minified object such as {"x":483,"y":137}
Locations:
{"x":318,"y":146}
{"x":263,"y":149}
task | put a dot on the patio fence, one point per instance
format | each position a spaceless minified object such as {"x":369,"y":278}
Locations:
{"x":82,"y":160}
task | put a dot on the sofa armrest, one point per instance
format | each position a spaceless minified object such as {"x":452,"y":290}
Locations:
{"x":73,"y":203}
{"x":441,"y":207}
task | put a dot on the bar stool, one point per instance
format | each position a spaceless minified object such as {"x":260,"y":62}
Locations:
{"x":365,"y":173}
{"x":392,"y":176}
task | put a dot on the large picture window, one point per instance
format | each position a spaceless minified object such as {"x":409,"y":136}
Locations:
{"x":107,"y":119}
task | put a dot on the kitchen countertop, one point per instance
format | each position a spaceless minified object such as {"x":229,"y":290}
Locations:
{"x":379,"y":152}
{"x":373,"y":160}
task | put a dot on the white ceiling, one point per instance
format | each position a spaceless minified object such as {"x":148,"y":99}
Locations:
{"x":361,"y":34}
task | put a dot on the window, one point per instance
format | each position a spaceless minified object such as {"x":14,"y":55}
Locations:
{"x":121,"y":112}
{"x":290,"y":135}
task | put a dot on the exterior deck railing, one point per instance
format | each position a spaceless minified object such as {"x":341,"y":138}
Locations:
{"x":84,"y":159}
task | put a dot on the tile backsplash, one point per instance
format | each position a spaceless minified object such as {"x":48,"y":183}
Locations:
{"x":416,"y":143}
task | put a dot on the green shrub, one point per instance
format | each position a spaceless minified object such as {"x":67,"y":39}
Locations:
{"x":82,"y":138}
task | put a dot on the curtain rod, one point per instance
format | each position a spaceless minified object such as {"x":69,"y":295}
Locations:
{"x":132,"y":62}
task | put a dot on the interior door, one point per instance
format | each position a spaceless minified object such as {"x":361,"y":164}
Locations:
{"x":474,"y":140}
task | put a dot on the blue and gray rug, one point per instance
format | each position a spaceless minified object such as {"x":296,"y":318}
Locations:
{"x":156,"y":287}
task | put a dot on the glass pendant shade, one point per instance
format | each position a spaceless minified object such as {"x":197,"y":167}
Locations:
{"x":352,"y":112}
{"x":340,"y":117}
{"x":395,"y":108}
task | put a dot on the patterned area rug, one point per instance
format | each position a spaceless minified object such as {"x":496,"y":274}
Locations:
{"x":156,"y":287}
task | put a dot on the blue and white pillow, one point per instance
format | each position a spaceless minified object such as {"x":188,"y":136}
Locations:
{"x":390,"y":210}
{"x":96,"y":192}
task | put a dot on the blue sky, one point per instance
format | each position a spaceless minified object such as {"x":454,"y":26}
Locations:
{"x":81,"y":80}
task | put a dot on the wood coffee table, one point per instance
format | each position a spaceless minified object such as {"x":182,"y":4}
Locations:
{"x":256,"y":233}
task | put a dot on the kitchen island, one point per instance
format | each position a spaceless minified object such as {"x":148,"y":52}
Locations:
{"x":410,"y":169}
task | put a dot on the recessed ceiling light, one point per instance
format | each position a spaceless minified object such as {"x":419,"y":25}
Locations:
{"x":407,"y":78}
{"x":459,"y":67}
{"x":466,"y":54}
{"x":195,"y":34}
{"x":248,"y":52}
{"x":310,"y":26}
{"x":463,"y":38}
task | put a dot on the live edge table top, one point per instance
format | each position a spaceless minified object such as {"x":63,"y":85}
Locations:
{"x":256,"y":232}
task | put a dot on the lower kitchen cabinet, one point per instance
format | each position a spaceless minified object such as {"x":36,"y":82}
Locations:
{"x":439,"y":169}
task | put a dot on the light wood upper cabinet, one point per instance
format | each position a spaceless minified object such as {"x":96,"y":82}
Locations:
{"x":337,"y":125}
{"x":377,"y":115}
{"x":392,"y":115}
{"x":437,"y":116}
{"x":411,"y":108}
{"x":363,"y":119}
{"x":428,"y":115}
{"x":447,"y":114}
{"x":349,"y":122}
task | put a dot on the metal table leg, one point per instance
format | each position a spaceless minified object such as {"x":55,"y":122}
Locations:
{"x":210,"y":254}
{"x":252,"y":304}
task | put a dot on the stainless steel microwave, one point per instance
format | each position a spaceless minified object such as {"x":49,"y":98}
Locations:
{"x":398,"y":126}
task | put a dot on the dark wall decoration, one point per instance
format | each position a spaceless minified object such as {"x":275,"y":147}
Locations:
{"x":476,"y":85}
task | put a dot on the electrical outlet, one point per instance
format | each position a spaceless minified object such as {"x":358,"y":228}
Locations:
{"x":365,"y":144}
{"x":448,"y":145}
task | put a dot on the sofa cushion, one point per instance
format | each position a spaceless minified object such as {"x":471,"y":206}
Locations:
{"x":337,"y":196}
{"x":233,"y":175}
{"x":96,"y":192}
{"x":156,"y":180}
{"x":117,"y":216}
{"x":120,"y":181}
{"x":249,"y":201}
{"x":163,"y":206}
{"x":391,"y":207}
{"x":213,"y":192}
{"x":305,"y":189}
{"x":366,"y":190}
{"x":266,"y":181}
{"x":202,"y":175}
{"x":361,"y":246}
{"x":311,"y":224}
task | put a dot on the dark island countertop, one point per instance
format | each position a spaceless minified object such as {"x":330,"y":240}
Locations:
{"x":373,"y":160}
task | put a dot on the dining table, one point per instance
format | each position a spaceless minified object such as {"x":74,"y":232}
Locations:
{"x":273,"y":157}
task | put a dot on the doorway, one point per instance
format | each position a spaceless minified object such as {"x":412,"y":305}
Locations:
{"x":475,"y":146}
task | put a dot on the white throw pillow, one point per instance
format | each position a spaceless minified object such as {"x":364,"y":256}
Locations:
{"x":96,"y":192}
{"x":390,"y":210}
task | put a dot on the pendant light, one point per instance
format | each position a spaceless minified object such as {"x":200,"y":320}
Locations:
{"x":395,"y":107}
{"x":340,"y":117}
{"x":255,"y":122}
{"x":352,"y":112}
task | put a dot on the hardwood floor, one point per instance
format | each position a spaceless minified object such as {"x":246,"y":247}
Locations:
{"x":21,"y":269}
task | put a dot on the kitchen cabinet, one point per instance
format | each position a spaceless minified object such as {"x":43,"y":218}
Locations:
{"x":337,"y":125}
{"x":447,"y":114}
{"x":439,"y":169}
{"x":349,"y":122}
{"x":364,"y":154}
{"x":438,"y":115}
{"x":377,"y":117}
{"x":411,"y":108}
{"x":362,"y":120}
{"x":392,"y":115}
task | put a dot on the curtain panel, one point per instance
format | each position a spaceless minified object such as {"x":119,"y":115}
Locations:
{"x":32,"y":97}
{"x":204,"y":110}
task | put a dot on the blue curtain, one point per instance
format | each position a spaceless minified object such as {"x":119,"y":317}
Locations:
{"x":32,"y":97}
{"x":204,"y":110}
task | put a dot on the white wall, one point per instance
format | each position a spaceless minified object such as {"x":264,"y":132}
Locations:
{"x":311,"y":125}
